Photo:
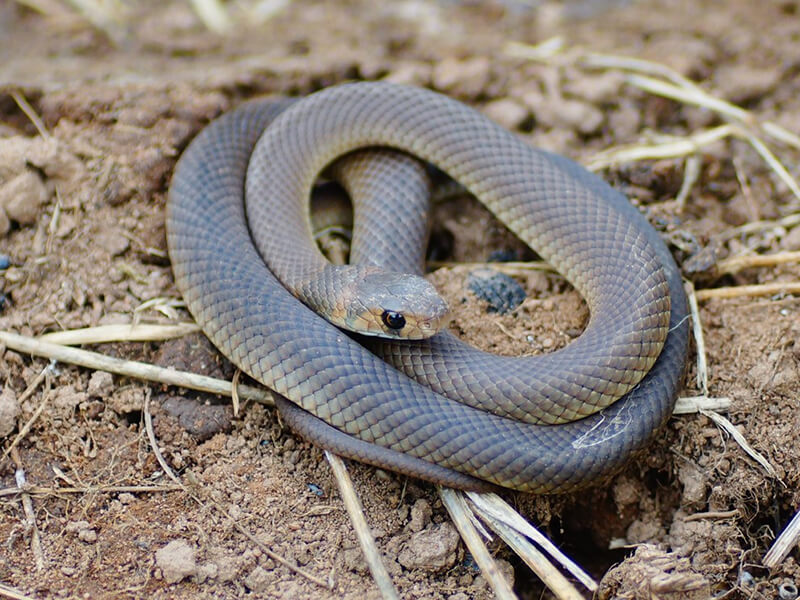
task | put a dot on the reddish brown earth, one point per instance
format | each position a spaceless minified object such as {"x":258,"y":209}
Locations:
{"x":83,"y":226}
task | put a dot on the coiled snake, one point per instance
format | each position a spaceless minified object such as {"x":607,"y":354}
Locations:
{"x":344,"y":397}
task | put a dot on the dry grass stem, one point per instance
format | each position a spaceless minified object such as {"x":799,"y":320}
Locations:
{"x":717,"y":514}
{"x":667,"y":147}
{"x":761,"y":289}
{"x":103,"y":334}
{"x":493,"y":509}
{"x":463,"y":518}
{"x":151,"y":436}
{"x":597,"y":60}
{"x":691,"y":173}
{"x":737,"y":263}
{"x":106,"y":15}
{"x":50,"y":8}
{"x":165,"y":305}
{"x":781,"y":134}
{"x":38,"y":490}
{"x":784,"y":543}
{"x":509,"y":268}
{"x":42,"y":376}
{"x":213,"y":15}
{"x":773,"y":162}
{"x":129,"y":368}
{"x":363,"y":533}
{"x":32,"y":115}
{"x":695,"y":404}
{"x":9,"y":592}
{"x":697,"y":331}
{"x":263,"y":10}
{"x":30,"y":514}
{"x":691,"y":94}
{"x":731,"y":429}
{"x":543,"y":51}
{"x":758,"y":226}
{"x":521,"y":545}
{"x":660,"y":80}
{"x":235,"y":391}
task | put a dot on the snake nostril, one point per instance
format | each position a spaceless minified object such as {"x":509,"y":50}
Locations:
{"x":393,"y":320}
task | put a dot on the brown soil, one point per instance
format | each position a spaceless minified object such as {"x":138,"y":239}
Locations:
{"x":85,"y":208}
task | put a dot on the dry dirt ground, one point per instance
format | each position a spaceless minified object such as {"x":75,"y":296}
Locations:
{"x":82,"y":224}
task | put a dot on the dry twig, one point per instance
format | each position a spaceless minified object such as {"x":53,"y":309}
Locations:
{"x":129,"y":368}
{"x":464,"y":521}
{"x":9,"y":592}
{"x":784,"y":543}
{"x":731,"y":429}
{"x":38,"y":490}
{"x":738,"y":263}
{"x":30,"y":515}
{"x":357,"y":518}
{"x":494,"y":510}
{"x":518,"y":533}
{"x":42,"y":376}
{"x":119,"y":333}
{"x":761,"y":289}
{"x":697,"y":330}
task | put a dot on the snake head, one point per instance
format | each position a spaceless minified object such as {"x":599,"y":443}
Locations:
{"x":394,"y":305}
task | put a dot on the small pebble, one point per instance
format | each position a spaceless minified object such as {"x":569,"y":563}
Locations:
{"x":5,"y":262}
{"x":787,"y":591}
{"x":746,"y":579}
{"x":315,"y":489}
{"x":504,"y":255}
{"x":502,"y":292}
{"x":469,"y":563}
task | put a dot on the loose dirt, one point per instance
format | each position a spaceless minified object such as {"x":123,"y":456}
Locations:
{"x":82,"y":224}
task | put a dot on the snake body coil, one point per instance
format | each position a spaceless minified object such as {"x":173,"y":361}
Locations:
{"x":344,"y":397}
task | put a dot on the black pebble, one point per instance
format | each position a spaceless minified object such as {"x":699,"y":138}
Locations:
{"x":502,"y":292}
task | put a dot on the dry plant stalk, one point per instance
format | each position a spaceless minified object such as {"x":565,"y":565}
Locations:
{"x":784,"y":543}
{"x":363,"y":533}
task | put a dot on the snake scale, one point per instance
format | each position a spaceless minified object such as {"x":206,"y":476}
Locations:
{"x":485,"y":420}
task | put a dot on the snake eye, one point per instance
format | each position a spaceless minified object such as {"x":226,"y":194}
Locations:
{"x":393,"y":320}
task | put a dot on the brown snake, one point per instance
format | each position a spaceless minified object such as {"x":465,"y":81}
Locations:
{"x":344,"y":397}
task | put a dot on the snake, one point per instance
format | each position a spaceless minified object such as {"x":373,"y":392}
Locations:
{"x":238,"y":231}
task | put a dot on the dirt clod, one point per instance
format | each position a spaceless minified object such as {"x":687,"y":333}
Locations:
{"x":101,"y":383}
{"x":421,"y":514}
{"x":9,"y":411}
{"x":23,"y":196}
{"x":432,"y":549}
{"x":507,"y":112}
{"x":200,"y":420}
{"x":653,"y":573}
{"x":176,"y":561}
